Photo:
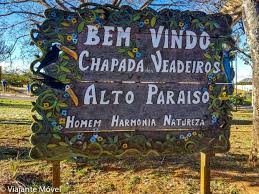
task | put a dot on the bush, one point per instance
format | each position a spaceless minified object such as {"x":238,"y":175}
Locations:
{"x":241,"y":100}
{"x":17,"y":79}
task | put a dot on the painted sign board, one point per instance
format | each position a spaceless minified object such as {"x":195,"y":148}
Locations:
{"x":139,"y":107}
{"x":118,"y":82}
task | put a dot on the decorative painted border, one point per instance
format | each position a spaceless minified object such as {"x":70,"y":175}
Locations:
{"x":48,"y":140}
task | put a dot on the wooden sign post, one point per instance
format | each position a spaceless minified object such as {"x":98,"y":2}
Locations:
{"x":205,"y":173}
{"x":56,"y":183}
{"x":119,"y":82}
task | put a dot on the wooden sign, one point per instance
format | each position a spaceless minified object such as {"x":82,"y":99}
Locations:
{"x":154,"y":54}
{"x":138,"y":106}
{"x":120,"y":82}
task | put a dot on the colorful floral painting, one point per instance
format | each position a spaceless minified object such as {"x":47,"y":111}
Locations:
{"x":59,"y":39}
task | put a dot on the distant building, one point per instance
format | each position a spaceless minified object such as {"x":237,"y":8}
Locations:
{"x":245,"y":84}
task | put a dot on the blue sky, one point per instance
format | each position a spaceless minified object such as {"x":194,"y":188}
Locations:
{"x":243,"y":70}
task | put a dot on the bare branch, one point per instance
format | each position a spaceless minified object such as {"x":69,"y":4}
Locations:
{"x":61,"y":5}
{"x":44,"y":3}
{"x":22,"y":12}
{"x":163,"y":4}
{"x":116,"y":2}
{"x":5,"y":51}
{"x":13,"y":2}
{"x":146,"y":4}
{"x":22,"y":36}
{"x":11,"y":26}
{"x":41,"y":2}
{"x":243,"y":52}
{"x":71,"y":6}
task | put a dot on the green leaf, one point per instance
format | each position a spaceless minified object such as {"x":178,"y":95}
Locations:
{"x":64,"y":63}
{"x":80,"y":27}
{"x":116,"y":138}
{"x":65,"y":57}
{"x":62,"y":104}
{"x":66,"y":81}
{"x":211,"y":27}
{"x":84,"y":146}
{"x":148,"y":144}
{"x":55,"y":129}
{"x":73,"y":139}
{"x":127,"y":135}
{"x":195,"y":21}
{"x":62,"y":78}
{"x":121,"y":50}
{"x":153,"y":21}
{"x":99,"y":11}
{"x":207,"y":56}
{"x":56,"y":136}
{"x":110,"y":140}
{"x":216,"y":25}
{"x":72,"y":47}
{"x":66,"y":24}
{"x":131,"y":54}
{"x":61,"y":38}
{"x":136,"y":17}
{"x":173,"y":24}
{"x":51,"y":145}
{"x":212,"y":44}
{"x":217,"y":57}
{"x":57,"y":108}
{"x":172,"y":139}
{"x":49,"y":114}
{"x":63,"y":144}
{"x":58,"y":69}
{"x":207,"y":24}
{"x":67,"y":140}
{"x":64,"y":69}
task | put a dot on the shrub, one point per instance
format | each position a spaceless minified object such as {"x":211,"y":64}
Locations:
{"x":17,"y":79}
{"x":241,"y":100}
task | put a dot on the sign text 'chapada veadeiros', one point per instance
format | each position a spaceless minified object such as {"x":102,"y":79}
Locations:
{"x":120,"y":82}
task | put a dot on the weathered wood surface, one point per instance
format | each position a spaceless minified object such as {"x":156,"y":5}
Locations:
{"x":56,"y":182}
{"x":205,"y":173}
{"x":174,"y":24}
{"x":189,"y":113}
{"x":68,"y":129}
{"x":182,"y":64}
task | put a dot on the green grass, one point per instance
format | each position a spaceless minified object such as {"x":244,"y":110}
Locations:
{"x":175,"y":175}
{"x":15,"y":111}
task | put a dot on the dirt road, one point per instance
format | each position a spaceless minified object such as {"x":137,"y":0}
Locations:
{"x":16,"y":97}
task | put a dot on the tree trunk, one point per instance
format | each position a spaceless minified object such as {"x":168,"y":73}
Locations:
{"x":251,"y":23}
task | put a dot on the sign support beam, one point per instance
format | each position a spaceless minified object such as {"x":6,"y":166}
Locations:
{"x":56,"y":176}
{"x":205,"y":173}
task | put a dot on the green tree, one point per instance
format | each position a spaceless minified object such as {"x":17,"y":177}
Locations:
{"x":17,"y":78}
